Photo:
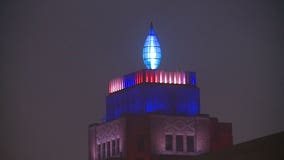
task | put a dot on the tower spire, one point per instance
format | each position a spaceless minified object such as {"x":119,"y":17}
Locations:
{"x":151,"y":31}
{"x":152,"y":53}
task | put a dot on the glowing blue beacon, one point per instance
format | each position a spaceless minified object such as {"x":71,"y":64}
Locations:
{"x":153,"y":90}
{"x":152,"y":53}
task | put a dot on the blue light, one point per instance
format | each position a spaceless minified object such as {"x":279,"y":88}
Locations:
{"x":152,"y":98}
{"x":129,"y":80}
{"x":152,"y":53}
{"x":192,"y":78}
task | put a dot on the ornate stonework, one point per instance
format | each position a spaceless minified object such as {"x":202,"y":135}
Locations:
{"x":162,"y":125}
{"x":110,"y":131}
{"x":193,"y":134}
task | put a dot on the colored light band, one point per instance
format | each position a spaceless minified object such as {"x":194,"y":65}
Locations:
{"x":152,"y":76}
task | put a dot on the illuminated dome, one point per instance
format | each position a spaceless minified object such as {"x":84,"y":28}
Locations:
{"x":152,"y":53}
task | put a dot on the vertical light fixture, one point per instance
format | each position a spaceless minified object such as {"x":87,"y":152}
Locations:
{"x":152,"y":53}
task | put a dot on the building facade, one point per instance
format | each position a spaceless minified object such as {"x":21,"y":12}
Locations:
{"x":155,"y":114}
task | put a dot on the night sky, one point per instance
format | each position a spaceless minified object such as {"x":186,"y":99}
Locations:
{"x":58,"y":56}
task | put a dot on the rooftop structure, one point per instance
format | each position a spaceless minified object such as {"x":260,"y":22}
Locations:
{"x":155,"y":114}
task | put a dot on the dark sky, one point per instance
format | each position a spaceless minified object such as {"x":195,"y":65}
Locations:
{"x":57,"y":57}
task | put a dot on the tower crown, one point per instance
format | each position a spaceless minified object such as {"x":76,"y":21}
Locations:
{"x":152,"y":53}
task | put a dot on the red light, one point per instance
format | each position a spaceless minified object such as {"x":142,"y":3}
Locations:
{"x":170,"y":77}
{"x":179,"y":78}
{"x":161,"y":76}
{"x":175,"y":78}
{"x":156,"y":77}
{"x":150,"y":76}
{"x":147,"y":76}
{"x":183,"y":78}
{"x":137,"y":78}
{"x":140,"y":77}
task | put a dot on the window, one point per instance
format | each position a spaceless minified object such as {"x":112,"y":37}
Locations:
{"x":179,"y":143}
{"x":108,"y":150}
{"x":99,"y":152}
{"x":189,"y":144}
{"x":104,"y":151}
{"x":113,"y":147}
{"x":140,"y":143}
{"x":169,"y":142}
{"x":117,"y":146}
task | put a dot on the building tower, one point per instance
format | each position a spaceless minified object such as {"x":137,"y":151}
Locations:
{"x":155,"y":114}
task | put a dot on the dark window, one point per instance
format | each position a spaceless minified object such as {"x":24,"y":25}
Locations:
{"x":104,"y":151}
{"x":113,"y":147}
{"x":140,"y":143}
{"x":99,"y":152}
{"x":189,"y":144}
{"x":117,"y":146}
{"x":179,"y":143}
{"x":169,"y":142}
{"x":108,"y":150}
